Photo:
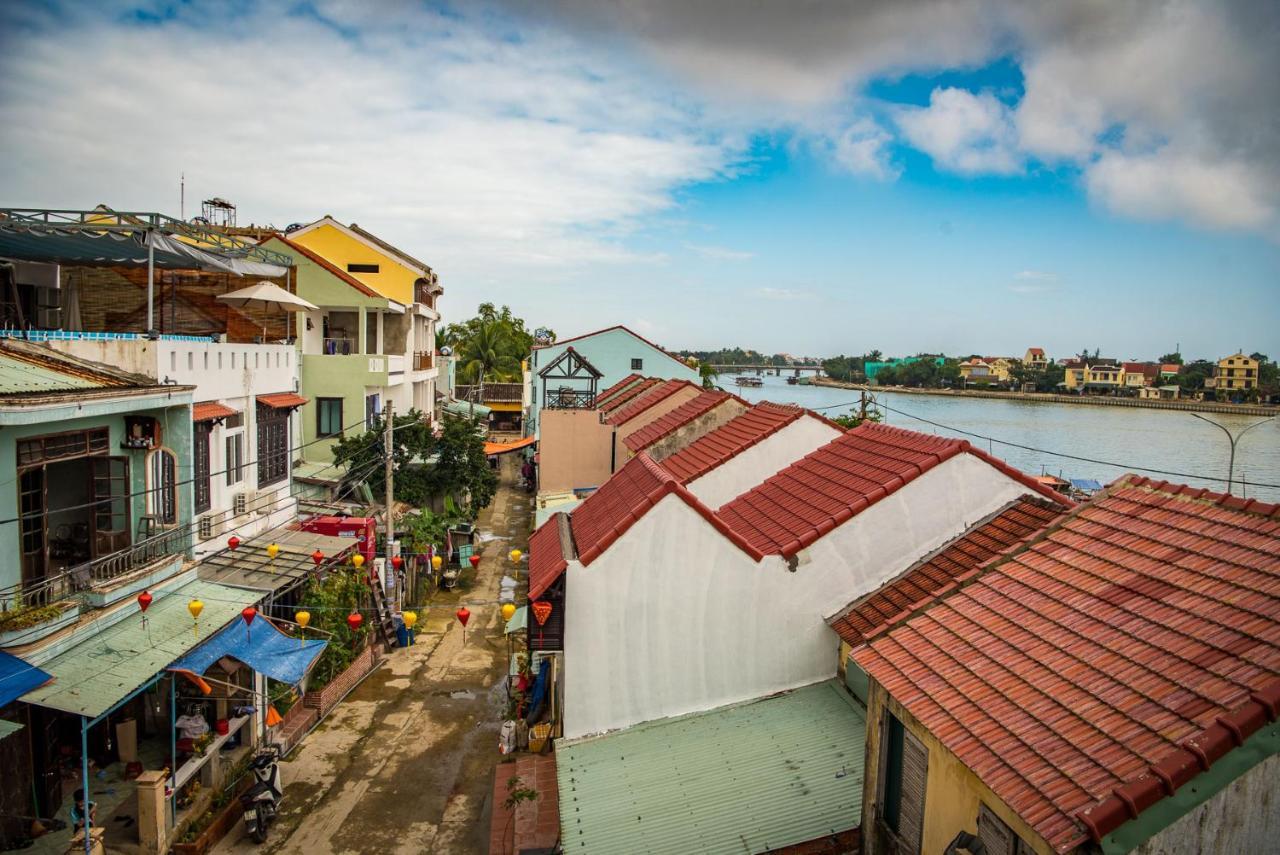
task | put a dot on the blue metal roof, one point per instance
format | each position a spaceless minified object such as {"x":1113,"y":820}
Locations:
{"x":1087,"y":484}
{"x":261,"y":646}
{"x":17,"y":678}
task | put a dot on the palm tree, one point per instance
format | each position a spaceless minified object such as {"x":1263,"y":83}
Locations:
{"x":487,"y":351}
{"x":708,"y":373}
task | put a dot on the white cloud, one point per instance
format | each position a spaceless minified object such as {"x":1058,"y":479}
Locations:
{"x":863,"y":149}
{"x":963,"y":132}
{"x":720,"y":253}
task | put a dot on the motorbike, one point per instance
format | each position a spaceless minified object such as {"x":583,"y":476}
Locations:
{"x":261,"y":802}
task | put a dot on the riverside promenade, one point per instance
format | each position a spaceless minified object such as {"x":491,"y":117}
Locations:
{"x":1045,"y":398}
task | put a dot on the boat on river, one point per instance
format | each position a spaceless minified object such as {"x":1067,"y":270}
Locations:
{"x":753,"y":382}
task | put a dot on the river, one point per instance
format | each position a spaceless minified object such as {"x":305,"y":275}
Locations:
{"x":1130,"y":437}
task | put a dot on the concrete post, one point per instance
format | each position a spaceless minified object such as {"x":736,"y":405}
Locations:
{"x":153,"y":825}
{"x":93,"y":845}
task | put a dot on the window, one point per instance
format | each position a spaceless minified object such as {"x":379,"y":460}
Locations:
{"x":234,"y":461}
{"x":273,"y":445}
{"x":328,"y":417}
{"x":362,"y":268}
{"x":372,"y":410}
{"x":162,"y":487}
{"x":200,"y":457}
{"x":998,"y":838}
{"x":904,"y":769}
{"x":637,"y":365}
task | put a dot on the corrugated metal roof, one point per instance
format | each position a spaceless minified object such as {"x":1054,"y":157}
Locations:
{"x":93,"y":676}
{"x":746,"y":778}
{"x":19,"y":377}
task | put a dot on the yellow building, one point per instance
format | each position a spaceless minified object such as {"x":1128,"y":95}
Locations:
{"x":374,"y":262}
{"x":1035,"y":359}
{"x":1235,"y":373}
{"x":986,"y":369}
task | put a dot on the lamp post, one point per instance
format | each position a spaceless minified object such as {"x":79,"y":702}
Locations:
{"x":1233,"y":439}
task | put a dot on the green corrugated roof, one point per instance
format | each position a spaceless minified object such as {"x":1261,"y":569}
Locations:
{"x":463,"y":408}
{"x":745,"y":778}
{"x":106,"y":666}
{"x":8,"y":727}
{"x":20,"y":377}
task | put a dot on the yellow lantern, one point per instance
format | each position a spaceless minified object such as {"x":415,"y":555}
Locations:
{"x":436,"y":562}
{"x":515,"y":555}
{"x":410,"y":618}
{"x":357,"y":560}
{"x":303,"y":618}
{"x":195,"y":607}
{"x":273,"y":550}
{"x":508,"y":609}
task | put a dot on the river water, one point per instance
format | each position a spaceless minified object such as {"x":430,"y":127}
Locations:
{"x":1132,"y":438}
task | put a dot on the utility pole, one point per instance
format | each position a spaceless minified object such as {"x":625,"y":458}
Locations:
{"x":1233,"y":439}
{"x":862,"y":410}
{"x":389,"y":478}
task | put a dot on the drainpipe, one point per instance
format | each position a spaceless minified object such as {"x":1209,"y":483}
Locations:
{"x":84,"y":779}
{"x":151,"y":285}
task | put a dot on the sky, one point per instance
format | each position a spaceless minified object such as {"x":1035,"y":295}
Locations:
{"x":959,"y":176}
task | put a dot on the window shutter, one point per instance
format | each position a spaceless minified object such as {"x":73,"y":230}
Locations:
{"x":997,"y":838}
{"x":915,"y":774}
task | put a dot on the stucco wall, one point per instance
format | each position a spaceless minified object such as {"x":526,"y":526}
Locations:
{"x":674,"y":618}
{"x":392,"y":279}
{"x":647,"y":417}
{"x":704,"y":424}
{"x":772,"y":454}
{"x":573,"y":451}
{"x":952,"y":792}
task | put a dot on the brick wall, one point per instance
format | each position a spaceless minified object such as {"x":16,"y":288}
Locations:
{"x":325,"y":699}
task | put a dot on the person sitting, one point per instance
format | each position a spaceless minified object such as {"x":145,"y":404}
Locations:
{"x":78,"y":812}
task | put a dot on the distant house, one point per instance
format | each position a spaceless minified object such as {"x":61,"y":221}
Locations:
{"x":1111,"y":684}
{"x":986,"y":369}
{"x":1169,"y":369}
{"x":1135,"y":376}
{"x":1160,"y":393}
{"x":1234,"y":374}
{"x":1035,"y":359}
{"x":616,"y":352}
{"x":1098,"y":376}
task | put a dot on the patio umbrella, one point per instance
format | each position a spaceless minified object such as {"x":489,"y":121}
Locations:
{"x":265,"y":294}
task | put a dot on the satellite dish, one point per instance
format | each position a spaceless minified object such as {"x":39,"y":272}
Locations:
{"x":446,"y":351}
{"x":292,"y":227}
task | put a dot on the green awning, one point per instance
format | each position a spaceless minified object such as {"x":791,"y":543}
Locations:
{"x":519,"y":621}
{"x":110,"y":664}
{"x":752,"y":777}
{"x":462,"y":408}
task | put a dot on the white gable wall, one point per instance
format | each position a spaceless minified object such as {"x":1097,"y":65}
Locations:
{"x":761,"y":461}
{"x":674,"y":618}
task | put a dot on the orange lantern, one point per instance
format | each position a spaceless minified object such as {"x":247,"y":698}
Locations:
{"x":354,"y":620}
{"x":317,"y":557}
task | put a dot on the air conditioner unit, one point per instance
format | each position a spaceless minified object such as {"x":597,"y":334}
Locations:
{"x":206,"y":528}
{"x":241,"y":501}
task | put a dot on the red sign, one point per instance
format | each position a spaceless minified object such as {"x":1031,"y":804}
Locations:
{"x":541,"y":611}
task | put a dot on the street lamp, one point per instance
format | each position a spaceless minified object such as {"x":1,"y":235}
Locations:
{"x":1233,"y":439}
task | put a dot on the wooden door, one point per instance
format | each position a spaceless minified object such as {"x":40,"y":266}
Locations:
{"x":111,"y":505}
{"x":34,"y":526}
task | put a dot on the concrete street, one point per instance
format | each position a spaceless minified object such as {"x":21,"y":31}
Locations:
{"x":405,"y":763}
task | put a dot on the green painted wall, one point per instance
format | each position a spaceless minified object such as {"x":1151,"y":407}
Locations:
{"x":344,"y":377}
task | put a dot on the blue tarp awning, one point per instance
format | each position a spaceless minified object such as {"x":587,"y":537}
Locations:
{"x":17,"y":678}
{"x":261,"y":646}
{"x":1087,"y":484}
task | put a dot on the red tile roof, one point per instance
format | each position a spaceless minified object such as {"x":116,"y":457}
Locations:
{"x":640,"y":403}
{"x":1036,"y":351}
{"x":602,"y":397}
{"x":729,"y":440}
{"x":282,"y":400}
{"x":208,"y":410}
{"x":682,"y":415}
{"x":892,"y":604}
{"x":618,"y":400}
{"x":611,"y":329}
{"x":829,"y":486}
{"x":546,"y":557}
{"x":1128,"y":648}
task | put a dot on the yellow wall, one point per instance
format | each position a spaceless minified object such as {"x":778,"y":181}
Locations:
{"x":393,"y":279}
{"x":952,"y":793}
{"x":1236,"y":372}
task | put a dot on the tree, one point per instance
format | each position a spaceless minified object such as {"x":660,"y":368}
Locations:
{"x":1193,"y":374}
{"x":708,"y":373}
{"x":1174,"y":358}
{"x":495,"y":332}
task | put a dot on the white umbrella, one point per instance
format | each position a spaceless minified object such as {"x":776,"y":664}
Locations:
{"x":266,"y":295}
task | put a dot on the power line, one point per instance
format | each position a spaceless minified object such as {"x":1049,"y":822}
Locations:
{"x":1061,"y":454}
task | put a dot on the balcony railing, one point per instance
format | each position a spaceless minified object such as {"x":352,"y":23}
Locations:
{"x":423,"y":360}
{"x":569,"y":399}
{"x":340,"y":346}
{"x":85,"y":577}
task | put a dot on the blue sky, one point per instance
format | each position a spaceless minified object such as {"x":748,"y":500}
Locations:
{"x":964,"y":176}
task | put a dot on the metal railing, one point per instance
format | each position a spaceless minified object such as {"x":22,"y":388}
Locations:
{"x":341,"y":347}
{"x":569,"y":399}
{"x":86,"y":576}
{"x":423,"y":360}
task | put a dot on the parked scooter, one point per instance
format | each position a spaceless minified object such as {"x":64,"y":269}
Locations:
{"x":262,"y":801}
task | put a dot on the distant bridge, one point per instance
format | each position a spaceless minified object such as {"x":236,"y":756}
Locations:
{"x":776,"y":370}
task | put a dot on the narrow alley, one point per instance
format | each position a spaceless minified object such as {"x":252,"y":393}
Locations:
{"x":404,"y":764}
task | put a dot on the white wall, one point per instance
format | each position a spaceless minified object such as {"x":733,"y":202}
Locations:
{"x":674,"y":618}
{"x":767,"y":457}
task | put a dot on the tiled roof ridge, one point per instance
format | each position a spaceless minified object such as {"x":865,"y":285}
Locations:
{"x":1227,"y":501}
{"x":624,"y":383}
{"x":656,"y":395}
{"x":961,"y":580}
{"x":1017,"y":475}
{"x":627,"y":394}
{"x":792,"y":413}
{"x":542,"y":576}
{"x":665,"y":425}
{"x":1194,"y":755}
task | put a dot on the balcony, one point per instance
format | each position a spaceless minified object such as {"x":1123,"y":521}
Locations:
{"x":340,"y":347}
{"x":424,"y":360}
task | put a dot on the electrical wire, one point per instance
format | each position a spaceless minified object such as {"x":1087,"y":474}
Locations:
{"x":1128,"y":467}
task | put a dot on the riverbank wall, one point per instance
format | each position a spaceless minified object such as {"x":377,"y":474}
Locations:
{"x":1088,"y":400}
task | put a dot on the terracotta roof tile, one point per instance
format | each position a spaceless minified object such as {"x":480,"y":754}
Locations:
{"x":1009,"y":527}
{"x":827,"y":487}
{"x":207,"y":410}
{"x":546,"y":556}
{"x":640,"y":403}
{"x":682,"y":415}
{"x":729,"y":440}
{"x":603,"y":397}
{"x":1129,"y":646}
{"x":282,"y":400}
{"x":620,"y":399}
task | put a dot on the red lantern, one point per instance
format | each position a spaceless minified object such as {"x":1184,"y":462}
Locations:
{"x":249,"y":614}
{"x":397,"y":562}
{"x":233,"y":543}
{"x":317,"y":557}
{"x":463,"y":615}
{"x":475,"y":560}
{"x":144,"y":600}
{"x":541,"y":611}
{"x":354,"y":620}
